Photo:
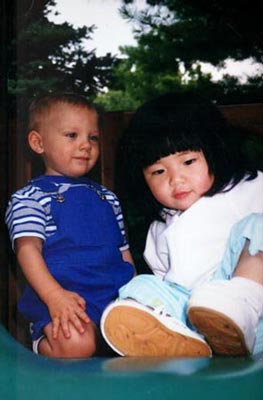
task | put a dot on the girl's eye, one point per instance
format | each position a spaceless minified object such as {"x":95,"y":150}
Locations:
{"x":158,"y":172}
{"x":190,"y":161}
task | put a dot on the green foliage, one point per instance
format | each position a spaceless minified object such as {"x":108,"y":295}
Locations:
{"x":202,"y":30}
{"x":175,"y":36}
{"x":116,"y":100}
{"x":44,"y":56}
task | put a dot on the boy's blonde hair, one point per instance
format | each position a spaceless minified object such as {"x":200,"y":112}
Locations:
{"x":44,"y":103}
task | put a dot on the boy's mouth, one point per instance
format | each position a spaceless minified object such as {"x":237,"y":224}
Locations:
{"x":82,"y":158}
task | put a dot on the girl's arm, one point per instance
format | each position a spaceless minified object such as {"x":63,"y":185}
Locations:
{"x":63,"y":305}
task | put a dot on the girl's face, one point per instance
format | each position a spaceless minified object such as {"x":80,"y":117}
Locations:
{"x":68,"y":140}
{"x":179,"y":180}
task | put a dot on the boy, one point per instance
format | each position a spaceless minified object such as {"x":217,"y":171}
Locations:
{"x":67,"y":232}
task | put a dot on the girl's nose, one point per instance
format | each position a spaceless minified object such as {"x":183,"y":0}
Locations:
{"x":176,"y":178}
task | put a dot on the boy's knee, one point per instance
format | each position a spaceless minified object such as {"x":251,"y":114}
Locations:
{"x":80,"y":345}
{"x":77,"y":346}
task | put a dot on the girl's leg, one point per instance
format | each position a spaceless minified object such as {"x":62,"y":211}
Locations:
{"x":227,"y":312}
{"x":149,"y":319}
{"x":250,"y":267}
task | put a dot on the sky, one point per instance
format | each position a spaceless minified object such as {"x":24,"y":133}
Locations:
{"x":113,"y":31}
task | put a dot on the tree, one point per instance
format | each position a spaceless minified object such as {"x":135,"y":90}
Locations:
{"x":201,"y":30}
{"x":44,"y":56}
{"x":175,"y":36}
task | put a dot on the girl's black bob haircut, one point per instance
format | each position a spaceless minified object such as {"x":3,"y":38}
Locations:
{"x":176,"y":122}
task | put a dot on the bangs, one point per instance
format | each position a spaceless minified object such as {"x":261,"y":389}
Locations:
{"x":167,"y":129}
{"x":167,"y":140}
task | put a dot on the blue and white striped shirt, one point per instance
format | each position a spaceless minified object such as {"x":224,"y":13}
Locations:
{"x":29,"y":210}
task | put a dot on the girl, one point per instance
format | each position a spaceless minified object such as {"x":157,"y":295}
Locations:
{"x":204,"y":246}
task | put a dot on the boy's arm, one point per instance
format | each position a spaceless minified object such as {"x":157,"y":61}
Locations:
{"x":63,"y":305}
{"x":126,"y":256}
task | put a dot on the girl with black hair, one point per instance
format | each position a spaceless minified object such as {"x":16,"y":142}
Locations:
{"x":185,"y":170}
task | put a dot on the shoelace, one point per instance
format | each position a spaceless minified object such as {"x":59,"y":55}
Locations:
{"x":160,"y":310}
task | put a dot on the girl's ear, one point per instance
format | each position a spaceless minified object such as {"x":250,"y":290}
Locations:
{"x":35,"y":142}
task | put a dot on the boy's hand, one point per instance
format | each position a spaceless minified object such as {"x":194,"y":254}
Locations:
{"x":65,"y":307}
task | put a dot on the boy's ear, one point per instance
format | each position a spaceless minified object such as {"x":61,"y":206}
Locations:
{"x":35,"y":142}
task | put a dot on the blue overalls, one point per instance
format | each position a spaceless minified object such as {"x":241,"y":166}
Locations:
{"x":83,"y":255}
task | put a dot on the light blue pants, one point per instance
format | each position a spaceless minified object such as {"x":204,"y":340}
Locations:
{"x":152,"y":291}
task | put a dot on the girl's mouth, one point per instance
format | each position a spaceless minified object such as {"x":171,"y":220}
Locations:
{"x":181,"y":195}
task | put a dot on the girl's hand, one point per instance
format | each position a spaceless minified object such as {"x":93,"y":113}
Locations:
{"x":66,"y":307}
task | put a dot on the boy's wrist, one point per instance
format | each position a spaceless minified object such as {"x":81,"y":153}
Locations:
{"x":54,"y":292}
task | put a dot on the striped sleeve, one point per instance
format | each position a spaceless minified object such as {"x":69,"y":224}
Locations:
{"x":115,"y":203}
{"x":27,"y":214}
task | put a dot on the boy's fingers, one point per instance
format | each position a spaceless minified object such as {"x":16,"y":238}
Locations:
{"x":65,"y":327}
{"x":55,"y":327}
{"x":77,"y":323}
{"x":82,"y":302}
{"x":83,"y":315}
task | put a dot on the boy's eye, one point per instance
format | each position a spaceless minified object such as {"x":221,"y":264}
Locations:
{"x":94,"y":138}
{"x":71,"y":134}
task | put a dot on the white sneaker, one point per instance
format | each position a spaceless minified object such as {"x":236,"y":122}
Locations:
{"x":227,"y":314}
{"x":132,"y":329}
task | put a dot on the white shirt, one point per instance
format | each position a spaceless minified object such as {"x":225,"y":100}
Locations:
{"x":187,"y":248}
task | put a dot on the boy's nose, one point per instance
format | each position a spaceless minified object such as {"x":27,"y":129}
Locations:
{"x":85,"y":144}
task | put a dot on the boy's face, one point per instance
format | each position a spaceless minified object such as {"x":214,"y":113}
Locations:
{"x":179,"y":180}
{"x":68,"y":140}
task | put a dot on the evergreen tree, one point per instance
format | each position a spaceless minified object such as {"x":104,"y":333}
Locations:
{"x":175,"y":36}
{"x":45,"y":56}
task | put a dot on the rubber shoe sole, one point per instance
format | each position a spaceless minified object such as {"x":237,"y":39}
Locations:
{"x":134,"y":332}
{"x":222,"y":334}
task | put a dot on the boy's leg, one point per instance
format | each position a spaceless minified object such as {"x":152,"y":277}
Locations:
{"x":227,"y":312}
{"x":149,"y":320}
{"x":77,"y":346}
